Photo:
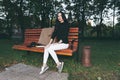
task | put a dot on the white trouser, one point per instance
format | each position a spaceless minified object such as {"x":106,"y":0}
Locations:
{"x":51,"y":50}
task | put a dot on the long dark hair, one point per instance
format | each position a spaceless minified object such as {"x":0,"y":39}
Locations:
{"x":63,"y":16}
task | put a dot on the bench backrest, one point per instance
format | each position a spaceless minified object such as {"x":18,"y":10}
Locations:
{"x":32,"y":35}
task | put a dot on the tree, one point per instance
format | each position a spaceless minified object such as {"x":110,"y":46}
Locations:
{"x":114,"y":4}
{"x":100,"y":9}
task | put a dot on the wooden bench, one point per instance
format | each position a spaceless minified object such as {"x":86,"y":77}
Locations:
{"x":32,"y":35}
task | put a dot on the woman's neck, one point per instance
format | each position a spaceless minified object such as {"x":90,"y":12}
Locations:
{"x":61,"y":21}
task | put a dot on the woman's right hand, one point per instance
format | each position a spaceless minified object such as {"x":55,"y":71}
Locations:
{"x":47,"y":45}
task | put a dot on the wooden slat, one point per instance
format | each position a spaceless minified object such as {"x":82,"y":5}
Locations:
{"x":67,"y":52}
{"x":73,"y":30}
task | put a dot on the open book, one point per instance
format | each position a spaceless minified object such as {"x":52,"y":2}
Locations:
{"x":40,"y":45}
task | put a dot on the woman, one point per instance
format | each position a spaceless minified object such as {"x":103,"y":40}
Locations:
{"x":61,"y":33}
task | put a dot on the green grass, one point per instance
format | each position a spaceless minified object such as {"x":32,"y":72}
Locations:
{"x":105,"y":59}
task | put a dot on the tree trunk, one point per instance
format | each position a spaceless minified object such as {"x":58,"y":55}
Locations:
{"x":99,"y":32}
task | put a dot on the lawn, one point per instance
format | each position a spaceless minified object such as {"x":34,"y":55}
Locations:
{"x":105,"y":59}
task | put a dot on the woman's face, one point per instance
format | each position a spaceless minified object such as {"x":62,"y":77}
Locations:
{"x":60,"y":18}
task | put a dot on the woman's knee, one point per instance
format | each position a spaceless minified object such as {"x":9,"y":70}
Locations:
{"x":47,"y":49}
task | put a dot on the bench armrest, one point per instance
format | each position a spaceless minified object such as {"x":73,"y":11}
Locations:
{"x":73,"y":46}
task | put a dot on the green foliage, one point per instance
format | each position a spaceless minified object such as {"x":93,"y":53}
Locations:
{"x":42,"y":13}
{"x":106,"y":31}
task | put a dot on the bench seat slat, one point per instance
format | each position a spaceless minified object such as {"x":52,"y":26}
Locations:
{"x":67,"y":52}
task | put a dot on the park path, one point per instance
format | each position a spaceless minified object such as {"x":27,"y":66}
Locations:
{"x":26,"y":72}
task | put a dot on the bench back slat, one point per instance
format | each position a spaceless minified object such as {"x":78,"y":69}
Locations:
{"x":32,"y":35}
